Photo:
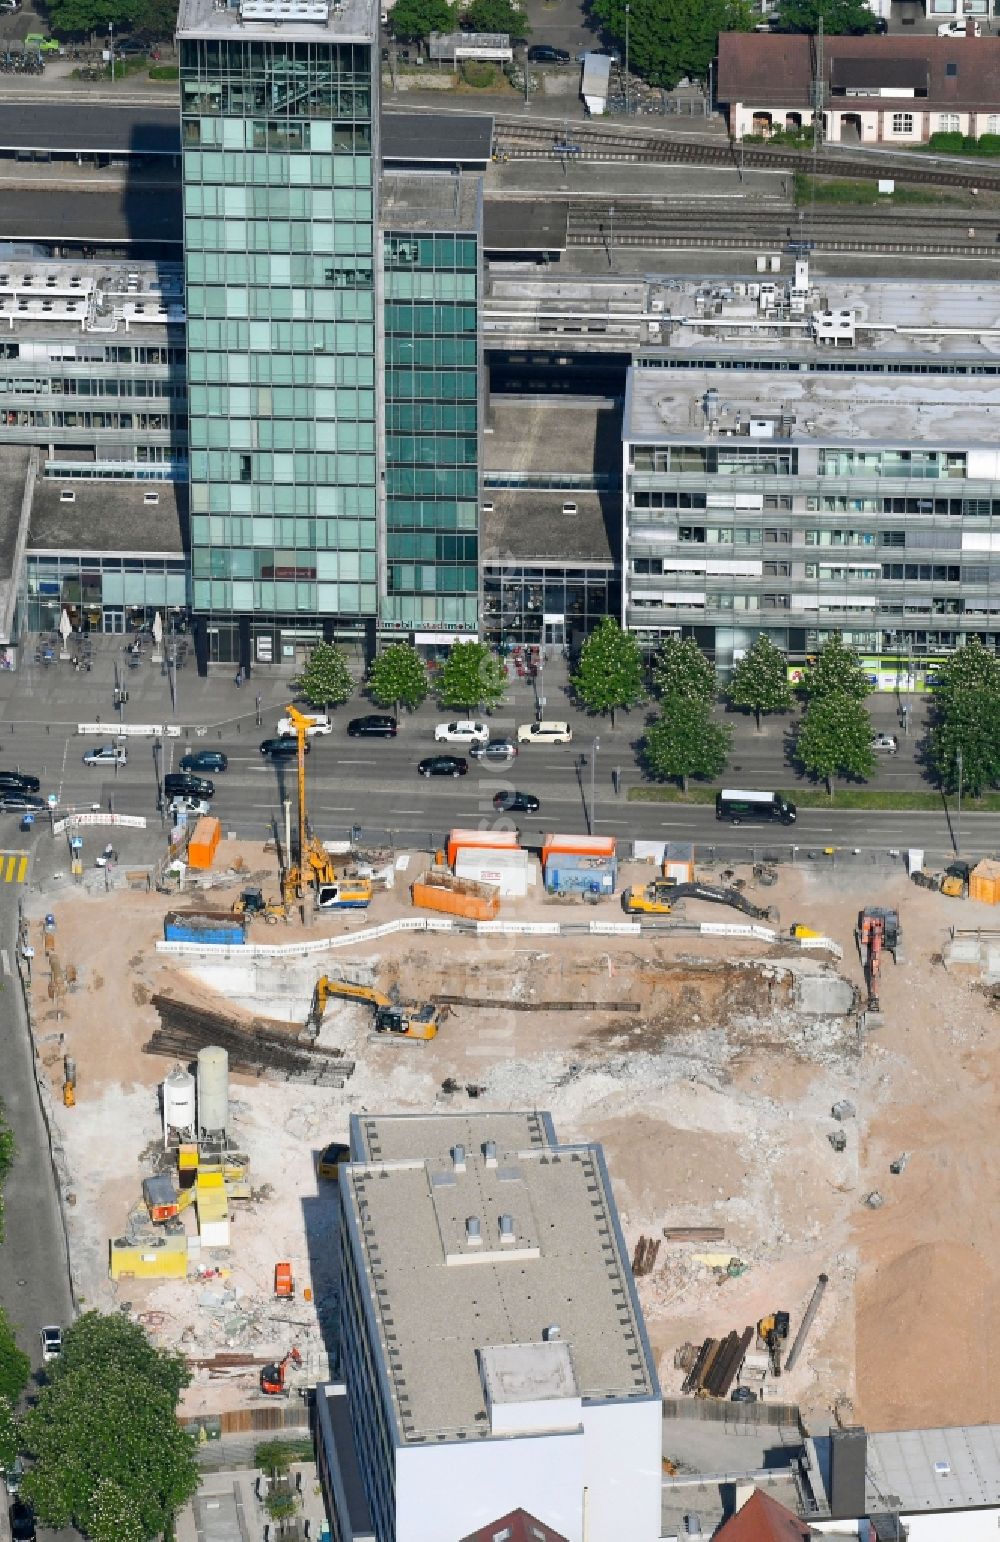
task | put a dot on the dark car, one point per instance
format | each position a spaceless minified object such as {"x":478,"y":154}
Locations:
{"x":544,"y":53}
{"x":19,"y":781}
{"x":22,"y":1521}
{"x":12,"y":801}
{"x":205,"y":760}
{"x":285,"y":748}
{"x":502,"y":750}
{"x":443,"y":765}
{"x":515,"y":803}
{"x":180,"y":784}
{"x":374,"y":726}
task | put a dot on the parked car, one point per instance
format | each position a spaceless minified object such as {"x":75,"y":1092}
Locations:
{"x":443,"y":765}
{"x":12,"y":801}
{"x":885,"y":744}
{"x":463,"y":731}
{"x":51,"y":1343}
{"x":20,"y":781}
{"x":283,"y":749}
{"x":183,"y":803}
{"x":180,"y":782}
{"x":607,"y":53}
{"x":22,"y":1521}
{"x":318,"y":723}
{"x":544,"y":53}
{"x":376,"y":725}
{"x":106,"y":755}
{"x":545,"y":733}
{"x":515,"y":803}
{"x":500,"y":751}
{"x":205,"y":760}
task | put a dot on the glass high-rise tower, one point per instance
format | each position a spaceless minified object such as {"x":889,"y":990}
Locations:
{"x":280,"y":152}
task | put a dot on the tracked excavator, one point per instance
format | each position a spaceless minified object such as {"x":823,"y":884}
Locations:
{"x":272,"y":1377}
{"x":410,"y":1022}
{"x":772,"y":1331}
{"x":659,"y":898}
{"x":878,"y":931}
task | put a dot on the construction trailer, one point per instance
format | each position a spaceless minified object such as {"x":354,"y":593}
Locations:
{"x":480,"y":840}
{"x":511,"y":872}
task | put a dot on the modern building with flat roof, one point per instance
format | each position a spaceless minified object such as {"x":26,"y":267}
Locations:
{"x":492,"y":1341}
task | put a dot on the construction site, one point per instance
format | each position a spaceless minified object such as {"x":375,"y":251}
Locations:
{"x":795,"y":1118}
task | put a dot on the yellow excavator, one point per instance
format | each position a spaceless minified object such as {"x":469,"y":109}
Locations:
{"x":410,"y":1022}
{"x":772,"y":1331}
{"x":659,"y":898}
{"x":314,"y":862}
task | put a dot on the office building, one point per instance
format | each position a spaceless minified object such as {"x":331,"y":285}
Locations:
{"x":493,"y":1347}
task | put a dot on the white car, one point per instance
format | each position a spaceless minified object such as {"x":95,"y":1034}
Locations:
{"x":106,"y":755}
{"x":184,"y":804}
{"x":465,"y":731}
{"x":51,"y":1338}
{"x":967,"y":28}
{"x":885,"y":744}
{"x":544,"y":733}
{"x":318,"y":723}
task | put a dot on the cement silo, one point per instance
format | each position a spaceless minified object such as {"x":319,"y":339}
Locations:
{"x":178,"y":1106}
{"x":213,"y":1092}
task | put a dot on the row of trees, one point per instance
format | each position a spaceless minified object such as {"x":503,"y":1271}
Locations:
{"x":155,"y":19}
{"x":471,"y":677}
{"x":417,"y":19}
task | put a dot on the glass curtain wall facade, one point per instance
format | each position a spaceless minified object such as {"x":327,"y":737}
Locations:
{"x":279,"y":154}
{"x":432,"y":284}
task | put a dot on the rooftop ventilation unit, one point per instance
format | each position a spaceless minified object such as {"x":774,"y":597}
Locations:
{"x":458,"y":1158}
{"x":473,"y":1231}
{"x":317,"y":11}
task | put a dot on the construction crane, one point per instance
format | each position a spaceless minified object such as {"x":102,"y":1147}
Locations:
{"x":659,"y":898}
{"x":410,"y":1022}
{"x":312,"y":861}
{"x":878,"y":931}
{"x":272,"y":1377}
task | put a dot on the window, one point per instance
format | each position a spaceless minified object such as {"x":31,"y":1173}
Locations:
{"x":902,"y":123}
{"x":993,"y":123}
{"x":948,"y":122}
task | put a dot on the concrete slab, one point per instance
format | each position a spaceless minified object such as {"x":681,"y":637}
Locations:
{"x":821,"y":995}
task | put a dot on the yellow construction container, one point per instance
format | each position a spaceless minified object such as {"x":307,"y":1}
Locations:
{"x":213,"y":1210}
{"x":164,"y":1259}
{"x":984,"y":882}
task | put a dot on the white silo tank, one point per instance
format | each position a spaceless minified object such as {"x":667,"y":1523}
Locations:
{"x":178,"y":1105}
{"x":213,"y":1090}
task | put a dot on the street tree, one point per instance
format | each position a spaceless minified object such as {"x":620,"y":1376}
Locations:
{"x":970,"y":668}
{"x":116,"y":1518}
{"x":417,"y":19}
{"x":669,"y":39}
{"x":471,"y":676}
{"x":967,"y":724}
{"x":79,"y":18}
{"x":326,"y":680}
{"x":498,"y":16}
{"x":397,"y":677}
{"x":837,"y":671}
{"x":109,"y":1411}
{"x":11,"y":1439}
{"x":8,"y":1151}
{"x":839,"y":17}
{"x":835,"y":739}
{"x":15,"y":1367}
{"x":760,"y":680}
{"x":609,"y":674}
{"x":685,"y":741}
{"x":680,"y":669}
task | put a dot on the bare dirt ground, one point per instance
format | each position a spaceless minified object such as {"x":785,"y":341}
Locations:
{"x":712,"y":1101}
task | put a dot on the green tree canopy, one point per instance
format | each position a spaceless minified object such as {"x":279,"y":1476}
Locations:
{"x":838,"y":671}
{"x":835,"y":738}
{"x":760,"y":680}
{"x":108,"y":1413}
{"x":11,"y":1439}
{"x":669,"y":39}
{"x":967,"y":721}
{"x":8,"y":1151}
{"x":417,"y":19}
{"x":471,"y":677}
{"x":839,"y":16}
{"x":610,"y":673}
{"x":77,"y":18}
{"x":498,"y":16}
{"x":326,"y":680}
{"x":685,"y":741}
{"x":680,"y":669}
{"x":970,"y":668}
{"x":397,"y":677}
{"x":15,"y":1367}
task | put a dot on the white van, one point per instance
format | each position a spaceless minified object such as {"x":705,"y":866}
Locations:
{"x":544,"y":733}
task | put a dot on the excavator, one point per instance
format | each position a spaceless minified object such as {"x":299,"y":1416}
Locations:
{"x":773,"y":1334}
{"x":314,"y":862}
{"x":659,"y":897}
{"x":878,"y":931}
{"x":410,"y":1022}
{"x":272,"y":1377}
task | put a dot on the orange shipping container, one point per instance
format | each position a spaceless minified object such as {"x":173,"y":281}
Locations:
{"x":578,"y":845}
{"x":481,"y":906}
{"x":204,"y":841}
{"x":481,"y":840}
{"x":984,"y":882}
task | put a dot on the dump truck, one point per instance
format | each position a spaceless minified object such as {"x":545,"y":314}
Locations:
{"x":411,"y":1022}
{"x":659,"y":898}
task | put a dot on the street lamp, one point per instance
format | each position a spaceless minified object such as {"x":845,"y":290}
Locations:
{"x":958,"y":821}
{"x":627,"y":9}
{"x":111,"y":34}
{"x":593,"y":770}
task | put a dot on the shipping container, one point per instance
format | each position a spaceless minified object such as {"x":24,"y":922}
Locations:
{"x":204,"y":842}
{"x":457,"y":897}
{"x":165,"y":1258}
{"x":480,"y":840}
{"x":578,"y":845}
{"x":984,"y":882}
{"x":509,"y":871}
{"x":215,"y":928}
{"x":213,"y":1210}
{"x":570,"y":874}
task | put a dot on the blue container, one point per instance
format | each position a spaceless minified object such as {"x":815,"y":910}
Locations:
{"x":569,"y":874}
{"x":217,"y":929}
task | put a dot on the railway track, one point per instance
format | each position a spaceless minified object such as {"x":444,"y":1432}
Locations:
{"x":530,"y":141}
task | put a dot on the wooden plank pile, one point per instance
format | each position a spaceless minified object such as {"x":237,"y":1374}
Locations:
{"x":260,"y":1047}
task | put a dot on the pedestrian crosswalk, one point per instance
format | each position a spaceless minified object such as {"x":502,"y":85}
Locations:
{"x":14,"y":866}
